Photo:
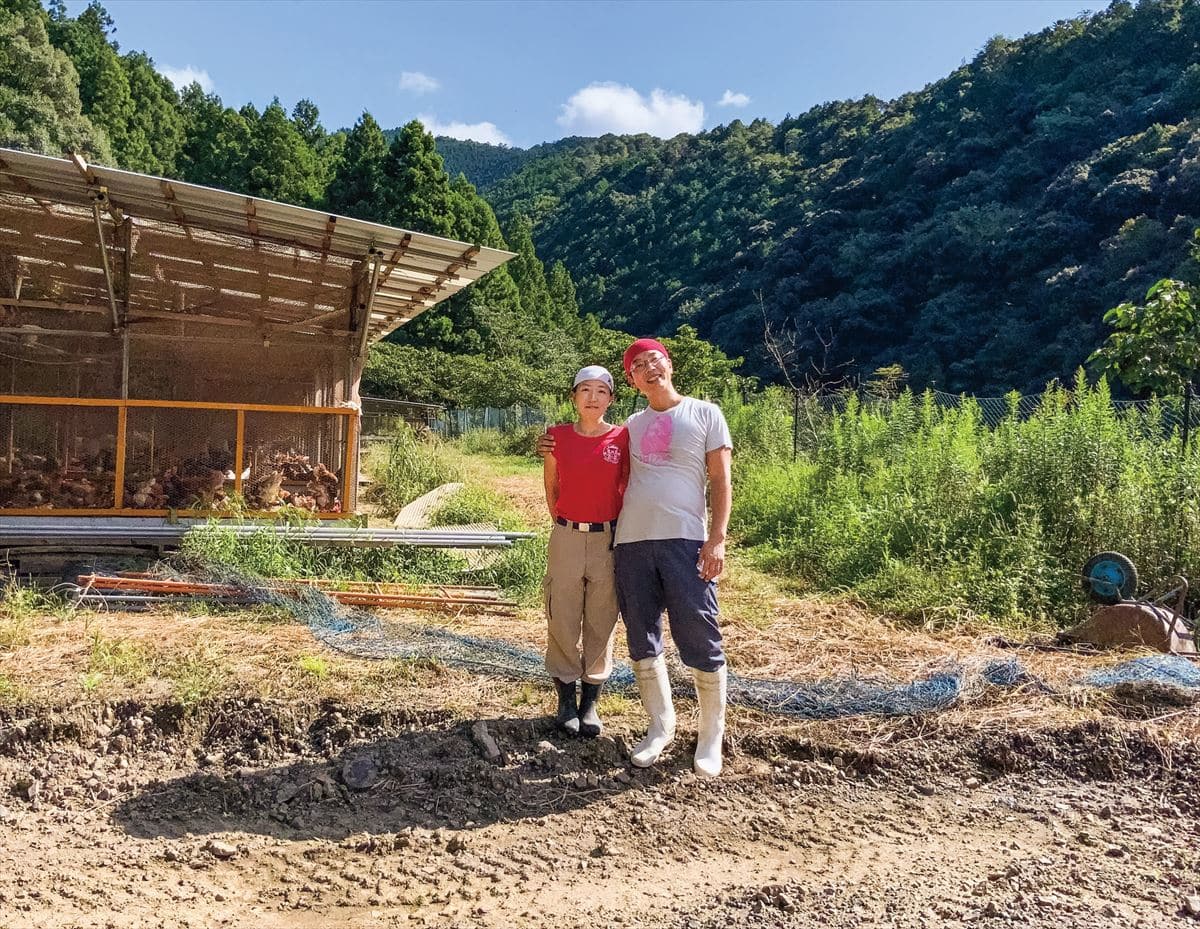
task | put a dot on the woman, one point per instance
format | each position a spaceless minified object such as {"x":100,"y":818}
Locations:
{"x":585,"y":481}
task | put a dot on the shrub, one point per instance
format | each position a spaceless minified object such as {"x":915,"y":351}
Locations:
{"x":929,"y":511}
{"x":476,"y":505}
{"x":409,"y":466}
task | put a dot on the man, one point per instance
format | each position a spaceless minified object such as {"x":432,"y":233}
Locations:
{"x":666,"y":558}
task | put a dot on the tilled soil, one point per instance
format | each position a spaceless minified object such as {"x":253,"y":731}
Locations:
{"x":253,"y":812}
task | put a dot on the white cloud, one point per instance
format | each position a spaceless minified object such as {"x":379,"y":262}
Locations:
{"x":734,"y":99}
{"x":182,"y":77}
{"x":476,"y":132}
{"x":607,"y":106}
{"x":417,"y":83}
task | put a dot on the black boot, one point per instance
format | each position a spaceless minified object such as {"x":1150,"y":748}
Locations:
{"x":567,"y":718}
{"x":589,"y":721}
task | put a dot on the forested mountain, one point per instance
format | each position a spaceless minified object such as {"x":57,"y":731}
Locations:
{"x":512,"y":337}
{"x":486,"y":165}
{"x":974,"y":231}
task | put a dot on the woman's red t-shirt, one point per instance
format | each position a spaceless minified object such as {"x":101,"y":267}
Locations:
{"x":592,"y":473}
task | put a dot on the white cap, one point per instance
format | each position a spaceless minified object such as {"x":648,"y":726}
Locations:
{"x":593,"y":373}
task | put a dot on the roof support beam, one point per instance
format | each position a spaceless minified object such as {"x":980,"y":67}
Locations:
{"x":311,"y":321}
{"x":42,"y":330}
{"x":365,"y":325}
{"x":97,"y":200}
{"x":93,"y":182}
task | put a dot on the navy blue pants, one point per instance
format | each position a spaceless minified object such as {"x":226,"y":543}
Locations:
{"x":661,"y":574}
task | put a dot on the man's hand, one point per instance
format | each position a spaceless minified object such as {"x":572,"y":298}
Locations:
{"x":711,"y":562}
{"x":545,"y":444}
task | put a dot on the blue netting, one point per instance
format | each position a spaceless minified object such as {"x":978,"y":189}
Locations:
{"x":1167,"y":670}
{"x":362,"y":634}
{"x":359,"y":633}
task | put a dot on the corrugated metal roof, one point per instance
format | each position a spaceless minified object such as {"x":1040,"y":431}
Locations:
{"x":196,"y":250}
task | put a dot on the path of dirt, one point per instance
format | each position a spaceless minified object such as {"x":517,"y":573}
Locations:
{"x":146,"y":815}
{"x":295,"y":787}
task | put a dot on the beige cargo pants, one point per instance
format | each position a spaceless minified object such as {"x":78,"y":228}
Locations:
{"x":581,"y":605}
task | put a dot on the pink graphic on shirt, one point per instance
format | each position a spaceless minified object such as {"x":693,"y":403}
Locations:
{"x":656,"y":440}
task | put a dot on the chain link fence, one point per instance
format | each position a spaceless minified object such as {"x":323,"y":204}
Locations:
{"x":454,"y":423}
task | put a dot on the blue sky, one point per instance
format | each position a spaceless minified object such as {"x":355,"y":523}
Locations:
{"x":527,"y":72}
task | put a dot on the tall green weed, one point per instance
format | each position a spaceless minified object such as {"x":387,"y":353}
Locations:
{"x":934,"y":514}
{"x":409,"y":466}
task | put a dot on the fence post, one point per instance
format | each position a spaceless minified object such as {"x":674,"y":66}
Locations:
{"x":795,"y":423}
{"x":1187,"y":413}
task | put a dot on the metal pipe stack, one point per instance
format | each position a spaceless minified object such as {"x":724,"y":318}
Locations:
{"x":169,"y":536}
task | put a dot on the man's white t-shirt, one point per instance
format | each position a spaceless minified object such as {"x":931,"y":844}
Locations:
{"x":668,"y":471}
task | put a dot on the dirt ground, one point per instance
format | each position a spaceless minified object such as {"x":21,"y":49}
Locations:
{"x":191,"y":769}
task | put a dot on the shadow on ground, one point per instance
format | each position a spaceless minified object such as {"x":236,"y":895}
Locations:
{"x":429,"y":778}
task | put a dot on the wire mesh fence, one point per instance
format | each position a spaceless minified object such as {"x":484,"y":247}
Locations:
{"x":358,"y":633}
{"x":296,"y":459}
{"x":1167,"y":414}
{"x":180,"y":459}
{"x":454,"y":423}
{"x":57,"y":458}
{"x":157,"y":458}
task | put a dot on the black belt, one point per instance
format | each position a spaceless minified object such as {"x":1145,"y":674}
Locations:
{"x":586,"y":527}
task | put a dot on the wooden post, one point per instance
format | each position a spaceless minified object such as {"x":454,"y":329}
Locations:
{"x":795,"y":423}
{"x":126,"y":275}
{"x":104,"y":263}
{"x":119,"y":464}
{"x":350,"y":468}
{"x":239,"y":454}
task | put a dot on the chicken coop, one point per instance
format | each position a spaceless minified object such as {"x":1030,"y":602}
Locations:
{"x":171,"y":350}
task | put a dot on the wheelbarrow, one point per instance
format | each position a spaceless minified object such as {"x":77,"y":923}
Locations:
{"x":1124,"y":620}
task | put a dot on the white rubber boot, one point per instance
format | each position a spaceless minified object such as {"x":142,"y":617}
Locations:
{"x":655,"y":688}
{"x":710,"y":694}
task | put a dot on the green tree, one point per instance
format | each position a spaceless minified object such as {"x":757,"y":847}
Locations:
{"x":1155,"y":346}
{"x":418,"y":193}
{"x":357,"y":187}
{"x":562,"y":293}
{"x":218,"y":139}
{"x":700,"y":367}
{"x":283,"y":166}
{"x":529,"y":274}
{"x":154,"y":132}
{"x":40,"y":109}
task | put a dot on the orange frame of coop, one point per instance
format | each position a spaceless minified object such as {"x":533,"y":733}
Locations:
{"x":122,"y":407}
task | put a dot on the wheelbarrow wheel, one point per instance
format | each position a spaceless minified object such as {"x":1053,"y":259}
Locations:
{"x":1110,"y":577}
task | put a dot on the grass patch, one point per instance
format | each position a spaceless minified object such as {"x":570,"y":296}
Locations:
{"x":409,"y":466}
{"x":528,"y":695}
{"x":313,"y":666}
{"x":613,"y":704}
{"x":117,"y":658}
{"x":940,"y":514}
{"x":477,"y":505}
{"x":20,"y":608}
{"x":520,"y":442}
{"x":519,"y":570}
{"x":196,"y":677}
{"x":9,"y":691}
